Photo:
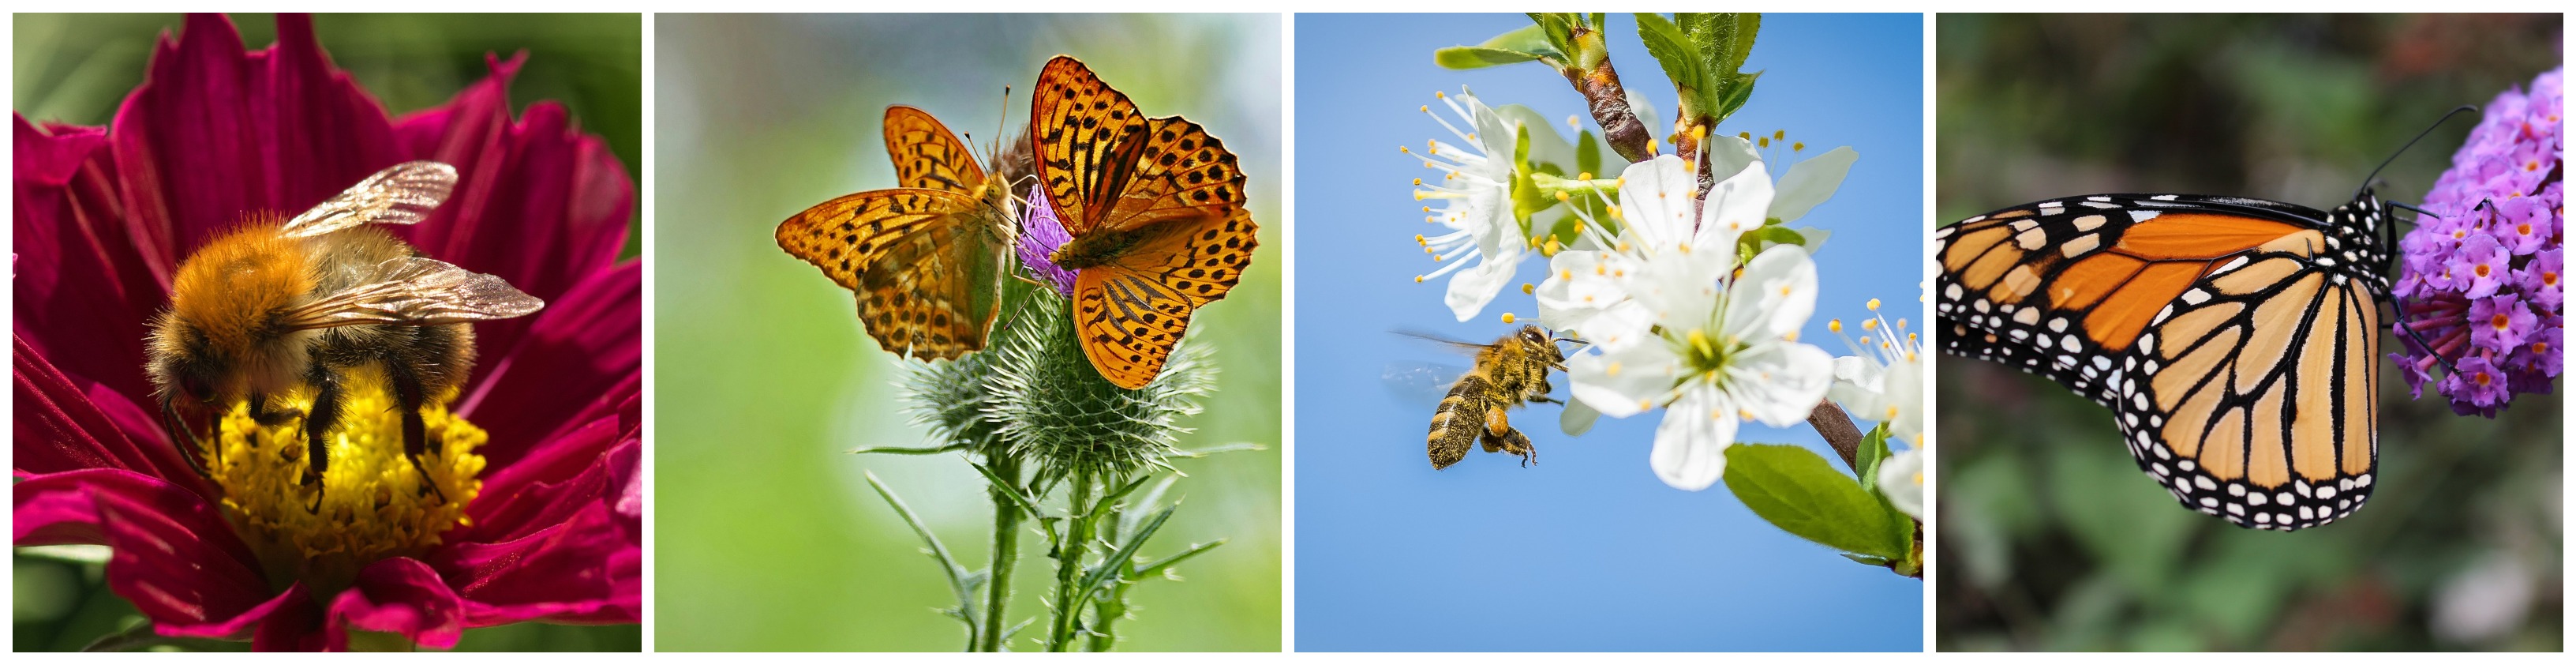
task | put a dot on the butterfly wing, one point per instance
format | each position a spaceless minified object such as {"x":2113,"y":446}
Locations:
{"x":926,"y":264}
{"x":1088,"y":137}
{"x":1159,"y":199}
{"x":2267,"y":394}
{"x":927,"y":155}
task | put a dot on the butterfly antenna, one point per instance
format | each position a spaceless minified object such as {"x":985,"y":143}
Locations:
{"x":2401,"y":150}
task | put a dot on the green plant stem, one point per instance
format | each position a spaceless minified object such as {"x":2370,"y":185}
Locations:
{"x":1103,"y":635}
{"x":1068,"y":566}
{"x":1006,"y":556}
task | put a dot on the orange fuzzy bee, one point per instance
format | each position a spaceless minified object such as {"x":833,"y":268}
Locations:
{"x":275,"y":306}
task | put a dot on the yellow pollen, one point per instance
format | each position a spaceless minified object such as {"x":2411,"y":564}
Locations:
{"x":1418,"y":239}
{"x":1746,"y":414}
{"x":1784,"y":290}
{"x":1599,"y":269}
{"x":374,"y":506}
{"x":1426,"y":108}
{"x":1507,"y":317}
{"x":1869,"y":324}
{"x":1565,"y":274}
{"x":1552,"y":247}
{"x":1792,"y":336}
{"x":1528,"y":288}
{"x":1795,"y":147}
{"x":1405,"y":150}
{"x":1562,"y":196}
{"x":1744,"y":135}
{"x":1650,"y":147}
{"x":1612,"y":370}
{"x":1873,"y":304}
{"x":1623,"y":246}
{"x":1778,"y":134}
{"x":1891,"y":412}
{"x":1586,"y":175}
{"x":1835,"y":325}
{"x":1417,"y":195}
{"x":1417,"y":279}
{"x":1764,"y":141}
{"x":1439,"y":94}
{"x":1417,"y":182}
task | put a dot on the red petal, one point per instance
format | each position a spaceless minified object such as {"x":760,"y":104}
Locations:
{"x":540,"y":204}
{"x":82,"y":289}
{"x":297,"y":625}
{"x":215,"y":133}
{"x":400,"y":595}
{"x":62,"y":426}
{"x":554,"y":481}
{"x":586,"y":569}
{"x":175,"y":557}
{"x":584,"y":351}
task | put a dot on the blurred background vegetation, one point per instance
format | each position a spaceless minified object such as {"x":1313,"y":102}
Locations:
{"x":76,"y":68}
{"x":2050,"y":537}
{"x":767,"y":537}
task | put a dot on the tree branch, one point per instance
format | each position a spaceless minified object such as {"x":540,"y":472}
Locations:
{"x":1830,"y":421}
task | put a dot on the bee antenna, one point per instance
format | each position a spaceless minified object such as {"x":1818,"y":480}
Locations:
{"x":2392,"y":158}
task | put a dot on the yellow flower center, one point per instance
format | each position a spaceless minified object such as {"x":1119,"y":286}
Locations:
{"x":374,"y":504}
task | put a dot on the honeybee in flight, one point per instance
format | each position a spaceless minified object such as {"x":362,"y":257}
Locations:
{"x":1508,"y":372}
{"x":273,"y":306}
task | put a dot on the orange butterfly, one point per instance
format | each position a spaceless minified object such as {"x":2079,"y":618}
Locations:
{"x":926,"y":260}
{"x":1156,"y":210}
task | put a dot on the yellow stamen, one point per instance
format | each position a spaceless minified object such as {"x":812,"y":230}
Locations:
{"x":1528,"y":288}
{"x":1507,"y":317}
{"x":1835,"y":325}
{"x":374,"y":504}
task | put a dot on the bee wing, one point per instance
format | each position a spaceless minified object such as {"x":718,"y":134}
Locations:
{"x":401,"y":194}
{"x":417,"y":292}
{"x":1461,"y":346}
{"x":1421,"y":383}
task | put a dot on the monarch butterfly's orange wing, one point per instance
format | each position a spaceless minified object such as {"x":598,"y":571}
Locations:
{"x":2093,"y":292}
{"x":926,"y":265}
{"x":928,"y":156}
{"x":1172,"y":194}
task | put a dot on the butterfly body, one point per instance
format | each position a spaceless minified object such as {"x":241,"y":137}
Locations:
{"x":1155,"y":208}
{"x":925,"y":260}
{"x":2234,"y":339}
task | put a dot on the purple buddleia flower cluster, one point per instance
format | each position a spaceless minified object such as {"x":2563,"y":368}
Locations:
{"x":2479,"y":295}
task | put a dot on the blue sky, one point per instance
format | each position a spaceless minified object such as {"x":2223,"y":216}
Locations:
{"x":1585,"y":550}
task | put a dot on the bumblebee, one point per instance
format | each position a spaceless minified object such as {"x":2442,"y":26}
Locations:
{"x":273,"y":306}
{"x":1509,"y":372}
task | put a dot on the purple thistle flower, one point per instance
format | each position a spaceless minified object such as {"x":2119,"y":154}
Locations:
{"x":1040,"y":234}
{"x":2478,"y":290}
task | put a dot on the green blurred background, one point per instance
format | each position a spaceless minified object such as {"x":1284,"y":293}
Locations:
{"x":2050,"y":537}
{"x":767,"y":537}
{"x":77,"y":68}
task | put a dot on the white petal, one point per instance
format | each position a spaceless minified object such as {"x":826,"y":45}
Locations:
{"x":1815,"y":238}
{"x":1577,"y":418}
{"x":1780,"y":382}
{"x":1737,"y":204}
{"x":1690,"y":445}
{"x":1728,"y":155}
{"x":1655,"y":200}
{"x":1471,"y":288}
{"x":1901,"y":478}
{"x":1546,"y":146}
{"x":1774,"y":296}
{"x":1857,"y":384}
{"x":1624,"y":382}
{"x":1811,"y":182}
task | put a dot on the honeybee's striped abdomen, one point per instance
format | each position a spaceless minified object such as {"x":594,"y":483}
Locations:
{"x":1458,"y":421}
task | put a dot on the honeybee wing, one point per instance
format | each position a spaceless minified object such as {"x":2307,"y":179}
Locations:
{"x":401,"y":194}
{"x":1421,"y":383}
{"x":416,"y":292}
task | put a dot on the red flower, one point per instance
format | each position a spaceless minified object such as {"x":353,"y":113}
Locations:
{"x":103,"y":217}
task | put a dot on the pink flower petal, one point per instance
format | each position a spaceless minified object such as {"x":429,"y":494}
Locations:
{"x":582,"y":349}
{"x":542,"y":204}
{"x":399,"y":595}
{"x":296,"y":625}
{"x":216,"y":133}
{"x":544,"y":489}
{"x":82,"y":290}
{"x":62,"y":426}
{"x":174,"y":555}
{"x":585,"y":569}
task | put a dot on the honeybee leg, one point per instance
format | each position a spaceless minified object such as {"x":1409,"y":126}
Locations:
{"x":408,"y":397}
{"x":317,"y":426}
{"x":1499,"y":436}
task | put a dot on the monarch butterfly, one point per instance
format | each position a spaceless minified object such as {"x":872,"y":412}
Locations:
{"x":2236,"y":340}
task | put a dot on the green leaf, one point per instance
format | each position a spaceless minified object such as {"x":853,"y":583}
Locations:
{"x":900,"y":450}
{"x":1478,"y":57}
{"x":1117,"y":561}
{"x":1735,"y":95}
{"x":1681,"y":63}
{"x":958,"y":578}
{"x":1166,"y":563}
{"x":1795,"y":489}
{"x":1873,"y":451}
{"x":1556,"y":28}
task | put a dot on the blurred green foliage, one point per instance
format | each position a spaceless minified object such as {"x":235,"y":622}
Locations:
{"x":2051,"y":539}
{"x":767,"y":536}
{"x":77,"y":68}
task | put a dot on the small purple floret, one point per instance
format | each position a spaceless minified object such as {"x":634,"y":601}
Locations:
{"x":1040,"y":234}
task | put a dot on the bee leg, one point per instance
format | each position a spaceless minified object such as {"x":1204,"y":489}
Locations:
{"x":317,"y":427}
{"x":184,"y":437}
{"x":1499,"y":437}
{"x":407,"y":396}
